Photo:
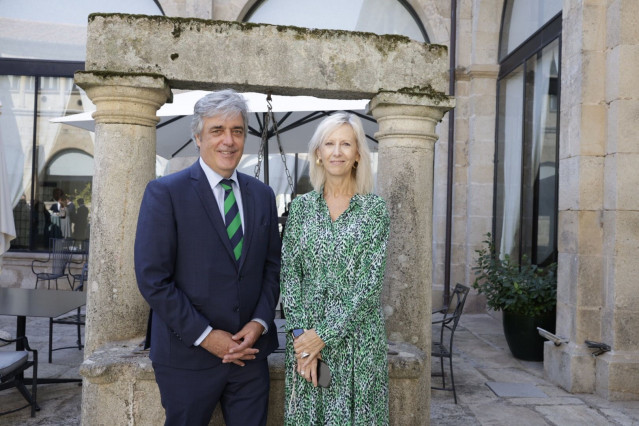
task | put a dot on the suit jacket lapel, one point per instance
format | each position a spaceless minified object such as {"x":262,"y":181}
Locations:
{"x":248,"y":207}
{"x":204,"y":191}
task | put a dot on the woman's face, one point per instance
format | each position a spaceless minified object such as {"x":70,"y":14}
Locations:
{"x":338,"y":152}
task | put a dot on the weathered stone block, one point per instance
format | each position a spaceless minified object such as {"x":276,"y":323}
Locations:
{"x":570,"y":366}
{"x":590,"y":281}
{"x":622,"y":181}
{"x":622,"y":82}
{"x":565,"y":322}
{"x":593,"y":118}
{"x":340,"y":64}
{"x":622,"y":23}
{"x":621,"y":135}
{"x":593,"y":33}
{"x":590,"y":230}
{"x":593,"y":87}
{"x":617,"y":376}
{"x":568,"y":228}
{"x":591,"y":182}
{"x":588,"y":323}
{"x":569,"y":184}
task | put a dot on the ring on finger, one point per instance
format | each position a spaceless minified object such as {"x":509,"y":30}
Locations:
{"x":304,"y":355}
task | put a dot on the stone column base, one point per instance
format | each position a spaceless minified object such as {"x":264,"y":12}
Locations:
{"x":570,"y":366}
{"x":617,"y":375}
{"x":119,"y":387}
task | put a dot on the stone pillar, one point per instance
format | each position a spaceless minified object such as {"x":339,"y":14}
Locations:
{"x":407,"y":139}
{"x":125,"y":122}
{"x":617,"y":371}
{"x":598,"y":203}
{"x":580,"y":231}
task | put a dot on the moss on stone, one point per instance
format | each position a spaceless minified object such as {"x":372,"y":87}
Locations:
{"x":109,"y":74}
{"x":426,"y":90}
{"x":384,"y":43}
{"x":174,"y":56}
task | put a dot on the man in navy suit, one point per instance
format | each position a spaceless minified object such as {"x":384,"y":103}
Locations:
{"x":213,"y":298}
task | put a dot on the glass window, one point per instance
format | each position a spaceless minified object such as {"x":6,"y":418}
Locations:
{"x":45,"y":29}
{"x":52,"y":161}
{"x":527,"y":143}
{"x":375,"y":16}
{"x":508,"y":162}
{"x":522,"y":18}
{"x":41,"y":45}
{"x":540,"y":155}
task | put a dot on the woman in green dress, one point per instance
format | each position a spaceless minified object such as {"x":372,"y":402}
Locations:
{"x":333,"y":260}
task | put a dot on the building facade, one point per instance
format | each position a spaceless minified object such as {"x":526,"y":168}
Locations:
{"x":539,"y":151}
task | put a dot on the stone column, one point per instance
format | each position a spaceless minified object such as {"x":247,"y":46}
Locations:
{"x":598,"y":203}
{"x":407,"y":139}
{"x":617,"y":371}
{"x":125,"y":122}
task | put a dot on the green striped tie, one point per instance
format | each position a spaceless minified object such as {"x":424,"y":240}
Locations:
{"x":232,"y":218}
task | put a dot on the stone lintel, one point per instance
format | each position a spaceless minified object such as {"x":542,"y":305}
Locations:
{"x":209,"y":55}
{"x":125,"y":98}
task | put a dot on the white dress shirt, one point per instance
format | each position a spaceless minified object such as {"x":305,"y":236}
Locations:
{"x":214,"y":181}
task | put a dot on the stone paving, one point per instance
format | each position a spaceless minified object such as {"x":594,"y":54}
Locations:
{"x":481,"y":357}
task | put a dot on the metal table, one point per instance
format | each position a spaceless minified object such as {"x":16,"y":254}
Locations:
{"x":23,"y":303}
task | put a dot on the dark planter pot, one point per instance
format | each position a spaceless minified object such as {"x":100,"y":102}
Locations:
{"x":522,"y":336}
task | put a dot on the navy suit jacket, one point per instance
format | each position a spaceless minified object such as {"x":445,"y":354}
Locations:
{"x":187,"y":273}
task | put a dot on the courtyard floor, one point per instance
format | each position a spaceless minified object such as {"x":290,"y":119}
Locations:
{"x":481,"y":357}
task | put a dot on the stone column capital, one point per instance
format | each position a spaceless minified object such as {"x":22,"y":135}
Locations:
{"x":409,"y":114}
{"x":125,"y":98}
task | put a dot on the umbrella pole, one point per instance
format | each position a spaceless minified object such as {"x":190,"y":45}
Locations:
{"x":266,"y":162}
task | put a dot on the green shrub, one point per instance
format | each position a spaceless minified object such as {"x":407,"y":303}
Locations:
{"x":523,"y":288}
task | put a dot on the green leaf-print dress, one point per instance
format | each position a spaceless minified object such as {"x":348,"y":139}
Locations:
{"x":332,"y":275}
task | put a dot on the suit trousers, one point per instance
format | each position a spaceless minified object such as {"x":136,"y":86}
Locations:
{"x":189,"y":397}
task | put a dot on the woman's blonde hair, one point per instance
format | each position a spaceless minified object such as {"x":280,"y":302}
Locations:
{"x":362,"y":174}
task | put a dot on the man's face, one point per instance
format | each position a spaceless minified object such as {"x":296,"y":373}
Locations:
{"x":221,"y":143}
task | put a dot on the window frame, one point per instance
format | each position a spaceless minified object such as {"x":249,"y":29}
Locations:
{"x":520,"y":56}
{"x":407,"y":6}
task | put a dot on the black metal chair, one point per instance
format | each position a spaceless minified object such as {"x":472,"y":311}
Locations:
{"x":443,"y":348}
{"x":59,"y":257}
{"x":79,"y":247}
{"x":13,"y":364}
{"x":78,"y":318}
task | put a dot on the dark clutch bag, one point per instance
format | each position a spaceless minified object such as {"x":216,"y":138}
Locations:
{"x":323,"y":374}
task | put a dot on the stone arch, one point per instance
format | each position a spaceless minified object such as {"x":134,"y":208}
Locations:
{"x":132,"y":64}
{"x":435,"y":16}
{"x":429,"y":12}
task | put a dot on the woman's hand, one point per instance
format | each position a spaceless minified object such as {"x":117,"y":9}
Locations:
{"x":309,"y":372}
{"x":307,"y":350}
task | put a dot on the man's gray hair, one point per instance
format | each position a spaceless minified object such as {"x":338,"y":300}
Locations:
{"x":223,"y":102}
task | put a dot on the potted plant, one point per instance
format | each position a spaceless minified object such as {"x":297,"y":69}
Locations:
{"x":525,"y":293}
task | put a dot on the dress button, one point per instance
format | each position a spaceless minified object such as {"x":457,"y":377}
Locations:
{"x":236,"y":309}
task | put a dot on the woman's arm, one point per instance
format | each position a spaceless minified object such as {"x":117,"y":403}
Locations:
{"x":291,"y":270}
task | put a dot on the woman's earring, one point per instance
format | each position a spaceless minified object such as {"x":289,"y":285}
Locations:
{"x":318,"y":161}
{"x":355,"y":164}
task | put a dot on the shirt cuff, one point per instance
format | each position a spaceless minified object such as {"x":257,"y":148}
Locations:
{"x":203,"y":336}
{"x":263,"y":323}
